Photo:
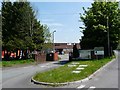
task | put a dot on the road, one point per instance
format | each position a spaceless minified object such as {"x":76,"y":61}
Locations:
{"x":21,"y":77}
{"x":64,"y":57}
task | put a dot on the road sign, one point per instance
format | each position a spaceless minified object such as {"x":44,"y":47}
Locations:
{"x":99,"y":52}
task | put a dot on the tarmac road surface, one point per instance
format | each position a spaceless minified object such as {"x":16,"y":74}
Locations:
{"x":21,"y":77}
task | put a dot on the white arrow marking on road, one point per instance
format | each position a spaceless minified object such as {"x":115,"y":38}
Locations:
{"x":81,"y":86}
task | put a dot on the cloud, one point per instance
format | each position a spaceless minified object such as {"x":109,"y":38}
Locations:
{"x":47,"y":20}
{"x":53,"y":24}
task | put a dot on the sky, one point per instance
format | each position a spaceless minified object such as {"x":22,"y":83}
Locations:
{"x":63,"y":17}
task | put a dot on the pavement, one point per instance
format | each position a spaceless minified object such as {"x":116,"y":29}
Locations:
{"x":21,"y":77}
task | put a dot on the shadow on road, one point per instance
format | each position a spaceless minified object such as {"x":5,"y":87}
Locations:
{"x":62,"y":62}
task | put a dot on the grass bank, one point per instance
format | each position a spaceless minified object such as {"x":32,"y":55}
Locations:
{"x":16,"y":62}
{"x":64,"y":73}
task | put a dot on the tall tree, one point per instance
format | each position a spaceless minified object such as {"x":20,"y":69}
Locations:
{"x":38,"y":35}
{"x":20,"y":27}
{"x":7,"y":24}
{"x":0,"y":30}
{"x":23,"y":15}
{"x":98,"y":19}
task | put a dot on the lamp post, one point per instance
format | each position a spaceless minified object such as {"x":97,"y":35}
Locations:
{"x":53,"y":41}
{"x":119,"y":19}
{"x":108,"y":36}
{"x":108,"y":31}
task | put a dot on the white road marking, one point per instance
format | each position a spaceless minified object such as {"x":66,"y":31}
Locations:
{"x":83,"y":65}
{"x":92,"y":88}
{"x":76,"y":71}
{"x":75,"y":63}
{"x":71,"y":65}
{"x":79,"y":68}
{"x":81,"y":86}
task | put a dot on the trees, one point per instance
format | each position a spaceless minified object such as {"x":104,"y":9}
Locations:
{"x":95,"y":20}
{"x":48,"y":44}
{"x":0,"y":34}
{"x":0,"y":29}
{"x":20,"y":27}
{"x":38,"y":35}
{"x":6,"y":23}
{"x":47,"y":34}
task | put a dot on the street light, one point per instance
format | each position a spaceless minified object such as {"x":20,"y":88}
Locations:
{"x":108,"y":31}
{"x":53,"y":41}
{"x":108,"y":36}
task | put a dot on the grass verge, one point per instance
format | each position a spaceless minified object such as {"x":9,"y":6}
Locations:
{"x":0,"y":64}
{"x":64,"y":73}
{"x":16,"y":62}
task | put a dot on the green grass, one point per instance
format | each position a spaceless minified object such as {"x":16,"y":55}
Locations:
{"x":63,"y":73}
{"x":16,"y":62}
{"x":0,"y":64}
